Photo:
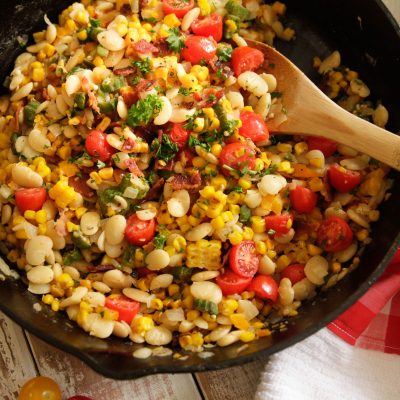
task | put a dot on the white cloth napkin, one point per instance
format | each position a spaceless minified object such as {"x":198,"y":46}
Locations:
{"x":324,"y":367}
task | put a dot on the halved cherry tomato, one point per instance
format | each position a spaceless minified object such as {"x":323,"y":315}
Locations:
{"x":246,"y":58}
{"x":243,"y":259}
{"x":342,"y":179}
{"x":303,"y":200}
{"x":253,"y":126}
{"x":278,"y":224}
{"x":179,"y":135}
{"x":231,"y":283}
{"x":40,"y":387}
{"x":97,"y":145}
{"x":264,"y":287}
{"x":209,"y":26}
{"x":327,"y":146}
{"x":139,"y":232}
{"x":295,"y":273}
{"x":199,"y":48}
{"x":127,"y":308}
{"x":177,"y":7}
{"x":237,"y":156}
{"x":30,"y":199}
{"x":334,"y":234}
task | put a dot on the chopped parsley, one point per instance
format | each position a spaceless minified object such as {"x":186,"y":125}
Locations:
{"x":193,"y":142}
{"x":175,"y":40}
{"x":237,"y":10}
{"x":184,"y":91}
{"x":159,"y":241}
{"x":237,"y":189}
{"x":100,"y":164}
{"x":224,"y":53}
{"x":166,"y":150}
{"x":144,"y":111}
{"x":245,"y":214}
{"x":271,"y":232}
{"x":142,"y":65}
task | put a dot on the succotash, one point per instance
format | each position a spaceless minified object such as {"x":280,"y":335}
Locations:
{"x":141,"y":192}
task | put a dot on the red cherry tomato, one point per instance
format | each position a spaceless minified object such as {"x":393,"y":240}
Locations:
{"x":327,"y":146}
{"x":40,"y":388}
{"x":334,"y":234}
{"x":342,"y":179}
{"x":30,"y":199}
{"x":199,"y":48}
{"x":127,"y":308}
{"x":97,"y":145}
{"x":295,"y":273}
{"x":231,"y":283}
{"x":179,"y":135}
{"x":237,"y":156}
{"x":209,"y":26}
{"x":303,"y":200}
{"x":177,"y":7}
{"x":253,"y":126}
{"x":139,"y":232}
{"x":78,"y":397}
{"x":246,"y":58}
{"x":243,"y":259}
{"x":264,"y":287}
{"x":279,"y":224}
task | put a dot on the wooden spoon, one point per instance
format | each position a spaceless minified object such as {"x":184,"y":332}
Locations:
{"x":311,"y":112}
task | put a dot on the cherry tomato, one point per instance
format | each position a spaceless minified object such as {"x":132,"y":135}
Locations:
{"x":30,"y":199}
{"x":264,"y":287}
{"x":246,"y":58}
{"x":253,"y":126}
{"x":231,"y":283}
{"x":295,"y":273}
{"x":243,"y":259}
{"x":303,"y":200}
{"x":327,"y":146}
{"x":78,"y":397}
{"x":97,"y":145}
{"x":40,"y":388}
{"x":237,"y":156}
{"x":139,"y":232}
{"x":127,"y":308}
{"x":342,"y":179}
{"x":279,"y":224}
{"x":209,"y":26}
{"x":179,"y":135}
{"x":177,"y":7}
{"x":334,"y":234}
{"x":199,"y":48}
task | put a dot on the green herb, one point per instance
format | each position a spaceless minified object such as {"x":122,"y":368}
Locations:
{"x":144,"y":111}
{"x":205,"y":306}
{"x":245,"y":214}
{"x":184,"y":91}
{"x":271,"y":232}
{"x":190,"y":121}
{"x":102,"y":51}
{"x":237,"y":10}
{"x":227,"y":125}
{"x":14,"y":137}
{"x":193,"y":142}
{"x":288,"y":157}
{"x":142,"y":65}
{"x":94,"y":28}
{"x":30,"y":112}
{"x":22,"y":40}
{"x":221,"y":75}
{"x":128,"y":256}
{"x":100,"y":164}
{"x":150,"y":20}
{"x":79,"y":240}
{"x":80,"y":100}
{"x":112,"y":84}
{"x":107,"y":106}
{"x":135,"y":80}
{"x":166,"y":150}
{"x":182,"y":274}
{"x":159,"y":241}
{"x":237,"y":189}
{"x":276,"y":95}
{"x":72,"y":256}
{"x":270,"y":170}
{"x":79,"y":174}
{"x":175,"y":40}
{"x":224,"y":52}
{"x":116,"y":158}
{"x":203,"y":62}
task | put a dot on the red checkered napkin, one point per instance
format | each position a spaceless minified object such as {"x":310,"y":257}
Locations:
{"x":374,"y":321}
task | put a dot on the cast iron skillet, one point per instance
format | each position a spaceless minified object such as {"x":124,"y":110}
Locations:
{"x":369,"y":41}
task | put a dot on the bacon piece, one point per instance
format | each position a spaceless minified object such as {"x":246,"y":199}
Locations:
{"x":129,"y":95}
{"x":80,"y":185}
{"x":189,"y":182}
{"x":133,"y":168}
{"x":161,"y":167}
{"x":144,"y":85}
{"x":124,"y":71}
{"x":61,"y":225}
{"x":163,"y":48}
{"x":100,"y":268}
{"x":210,"y":97}
{"x":93,"y":102}
{"x":155,"y":191}
{"x":144,"y":47}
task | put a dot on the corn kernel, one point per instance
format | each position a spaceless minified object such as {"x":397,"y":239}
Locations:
{"x":217,"y":223}
{"x":284,"y":147}
{"x":188,"y":80}
{"x":215,"y":210}
{"x":235,"y":237}
{"x":285,"y":166}
{"x":245,"y":183}
{"x":142,"y":324}
{"x":261,"y":247}
{"x":300,"y":148}
{"x":70,"y":24}
{"x":110,"y":315}
{"x":38,"y":74}
{"x":157,"y":304}
{"x":21,"y":234}
{"x":215,"y":124}
{"x":72,"y":227}
{"x":197,"y":339}
{"x":199,"y":162}
{"x":231,"y":25}
{"x":98,"y":61}
{"x":81,"y":17}
{"x":247,"y":336}
{"x":106,"y":173}
{"x":41,"y":216}
{"x":263,"y":333}
{"x":173,"y":289}
{"x":185,"y":340}
{"x":47,"y":299}
{"x":283,"y":261}
{"x":362,"y":234}
{"x":373,"y":215}
{"x":172,"y":20}
{"x":42,"y":229}
{"x":82,"y":35}
{"x":208,"y":192}
{"x":198,"y":124}
{"x":209,"y":112}
{"x":55,"y":305}
{"x":228,"y":306}
{"x":258,"y":224}
{"x":239,"y":321}
{"x":30,"y":214}
{"x":192,"y":315}
{"x":65,"y":280}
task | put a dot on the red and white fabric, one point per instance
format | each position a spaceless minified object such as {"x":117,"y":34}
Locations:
{"x":357,"y":357}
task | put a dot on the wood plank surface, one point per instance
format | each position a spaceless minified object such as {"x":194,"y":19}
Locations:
{"x":74,"y":377}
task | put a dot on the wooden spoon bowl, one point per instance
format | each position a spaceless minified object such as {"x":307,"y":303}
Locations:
{"x":311,"y":112}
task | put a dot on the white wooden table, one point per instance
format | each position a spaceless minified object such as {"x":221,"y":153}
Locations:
{"x":23,"y":356}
